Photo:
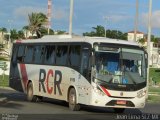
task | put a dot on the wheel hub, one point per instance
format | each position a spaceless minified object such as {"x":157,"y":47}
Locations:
{"x":72,"y":99}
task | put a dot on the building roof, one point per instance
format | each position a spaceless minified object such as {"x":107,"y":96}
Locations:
{"x":138,"y":32}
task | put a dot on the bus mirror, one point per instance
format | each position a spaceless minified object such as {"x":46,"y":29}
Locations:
{"x":146,"y":62}
{"x":146,"y":59}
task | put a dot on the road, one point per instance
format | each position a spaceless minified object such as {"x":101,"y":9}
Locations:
{"x":49,"y":109}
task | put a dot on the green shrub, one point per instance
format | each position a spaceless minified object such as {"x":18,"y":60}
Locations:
{"x":4,"y":80}
{"x":154,"y":75}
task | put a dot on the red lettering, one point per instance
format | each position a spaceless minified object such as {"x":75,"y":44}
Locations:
{"x":54,"y":77}
{"x":50,"y":73}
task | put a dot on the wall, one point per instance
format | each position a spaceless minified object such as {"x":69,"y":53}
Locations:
{"x":131,"y":36}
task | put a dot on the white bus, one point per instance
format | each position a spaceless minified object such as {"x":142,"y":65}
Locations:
{"x":91,"y":71}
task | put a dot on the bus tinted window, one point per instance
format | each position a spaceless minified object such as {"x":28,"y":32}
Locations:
{"x":61,"y":55}
{"x":74,"y":55}
{"x":49,"y":54}
{"x":20,"y":55}
{"x":38,"y":54}
{"x":14,"y":53}
{"x":29,"y":54}
{"x":85,"y":62}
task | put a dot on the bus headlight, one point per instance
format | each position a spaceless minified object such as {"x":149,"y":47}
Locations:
{"x":141,"y":93}
{"x":96,"y":90}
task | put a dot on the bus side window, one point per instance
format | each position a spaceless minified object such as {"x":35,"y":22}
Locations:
{"x":49,"y":54}
{"x":74,"y":56}
{"x":38,"y":54}
{"x":61,"y":55}
{"x":28,"y":54}
{"x":20,"y":55}
{"x":85,"y":62}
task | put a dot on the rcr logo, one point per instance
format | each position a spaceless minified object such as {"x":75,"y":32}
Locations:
{"x":56,"y":77}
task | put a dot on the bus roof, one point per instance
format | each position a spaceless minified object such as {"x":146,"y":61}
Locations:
{"x":68,"y":38}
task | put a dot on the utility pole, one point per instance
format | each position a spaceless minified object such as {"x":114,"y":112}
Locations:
{"x":105,"y":26}
{"x":149,"y":38}
{"x":149,"y":30}
{"x":49,"y":14}
{"x":136,"y":20}
{"x":71,"y":16}
{"x":9,"y":41}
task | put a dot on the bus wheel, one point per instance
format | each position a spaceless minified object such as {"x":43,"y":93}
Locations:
{"x":39,"y":98}
{"x":30,"y":96}
{"x":72,"y":100}
{"x":119,"y":110}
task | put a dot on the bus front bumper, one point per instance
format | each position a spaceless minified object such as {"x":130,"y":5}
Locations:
{"x":106,"y":101}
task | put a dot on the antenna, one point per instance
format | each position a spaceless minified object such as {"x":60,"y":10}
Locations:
{"x":49,"y":14}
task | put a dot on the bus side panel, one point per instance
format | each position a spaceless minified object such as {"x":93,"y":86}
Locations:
{"x":54,"y":82}
{"x":14,"y":78}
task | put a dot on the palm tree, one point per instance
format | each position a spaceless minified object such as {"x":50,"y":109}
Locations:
{"x":3,"y":30}
{"x":25,"y":29}
{"x":14,"y":35}
{"x":21,"y":34}
{"x":100,"y":30}
{"x":141,"y":41}
{"x":36,"y":23}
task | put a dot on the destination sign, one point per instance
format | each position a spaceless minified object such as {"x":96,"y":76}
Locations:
{"x":104,"y":48}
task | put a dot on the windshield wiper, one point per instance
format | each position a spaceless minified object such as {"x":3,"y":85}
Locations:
{"x":130,"y":76}
{"x":104,"y":78}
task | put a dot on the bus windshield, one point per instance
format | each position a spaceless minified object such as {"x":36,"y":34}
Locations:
{"x":120,"y":66}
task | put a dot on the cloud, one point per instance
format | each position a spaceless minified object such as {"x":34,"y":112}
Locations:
{"x":117,"y":18}
{"x":155,"y":19}
{"x":24,"y":11}
{"x":60,"y":13}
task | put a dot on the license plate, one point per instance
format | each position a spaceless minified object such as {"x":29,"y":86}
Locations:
{"x":121,"y":102}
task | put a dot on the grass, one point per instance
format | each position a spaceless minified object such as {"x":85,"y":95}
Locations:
{"x":153,"y":99}
{"x":154,"y":89}
{"x":4,"y":82}
{"x":154,"y":74}
{"x":154,"y":96}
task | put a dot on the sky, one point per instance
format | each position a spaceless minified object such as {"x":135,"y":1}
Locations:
{"x":113,"y":14}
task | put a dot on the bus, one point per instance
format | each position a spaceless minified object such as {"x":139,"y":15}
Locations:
{"x":90,"y":71}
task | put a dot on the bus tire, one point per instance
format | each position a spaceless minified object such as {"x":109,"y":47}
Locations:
{"x":73,"y":100}
{"x":30,"y":96}
{"x":119,"y":110}
{"x":40,"y":98}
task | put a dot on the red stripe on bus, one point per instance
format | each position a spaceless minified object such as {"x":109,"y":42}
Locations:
{"x":24,"y":74}
{"x":18,"y":41}
{"x":105,"y":91}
